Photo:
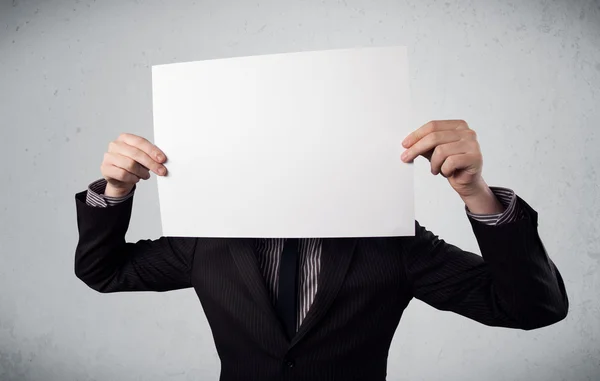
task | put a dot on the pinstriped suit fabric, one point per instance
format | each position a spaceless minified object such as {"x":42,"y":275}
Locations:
{"x":269,"y":251}
{"x":364,"y":285}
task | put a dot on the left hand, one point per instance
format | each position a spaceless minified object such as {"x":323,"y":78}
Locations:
{"x":453,"y":151}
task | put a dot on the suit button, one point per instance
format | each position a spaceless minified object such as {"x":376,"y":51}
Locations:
{"x":289,"y":363}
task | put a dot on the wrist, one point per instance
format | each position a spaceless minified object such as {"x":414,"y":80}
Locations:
{"x":481,"y":200}
{"x":112,"y":191}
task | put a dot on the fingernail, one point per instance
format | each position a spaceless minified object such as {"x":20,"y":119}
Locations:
{"x":160,"y":157}
{"x":162,"y":170}
{"x":404,"y":155}
{"x":405,"y":142}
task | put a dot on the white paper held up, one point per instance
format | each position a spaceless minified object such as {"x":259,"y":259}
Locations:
{"x":301,"y":144}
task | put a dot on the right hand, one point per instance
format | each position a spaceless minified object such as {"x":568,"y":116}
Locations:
{"x":129,"y":159}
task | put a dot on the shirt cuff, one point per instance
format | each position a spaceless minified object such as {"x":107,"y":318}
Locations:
{"x":95,"y":195}
{"x":512,"y":209}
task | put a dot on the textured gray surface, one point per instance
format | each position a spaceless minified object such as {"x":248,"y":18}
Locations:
{"x":74,"y":74}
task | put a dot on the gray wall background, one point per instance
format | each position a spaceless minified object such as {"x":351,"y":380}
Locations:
{"x":76,"y":73}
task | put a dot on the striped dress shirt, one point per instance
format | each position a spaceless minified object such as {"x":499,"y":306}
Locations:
{"x":268,"y":250}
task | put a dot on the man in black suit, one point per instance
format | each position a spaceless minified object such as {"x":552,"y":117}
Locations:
{"x":326,"y":309}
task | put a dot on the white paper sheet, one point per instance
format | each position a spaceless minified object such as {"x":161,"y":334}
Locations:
{"x":286,"y":145}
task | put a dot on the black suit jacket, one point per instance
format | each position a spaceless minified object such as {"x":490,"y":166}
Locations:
{"x":364,"y":286}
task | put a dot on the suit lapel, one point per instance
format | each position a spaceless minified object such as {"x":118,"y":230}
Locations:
{"x":336,"y":256}
{"x":242,"y":251}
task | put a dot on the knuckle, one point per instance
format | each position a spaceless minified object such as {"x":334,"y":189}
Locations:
{"x":122,"y":175}
{"x":135,"y":139}
{"x":141,"y":160}
{"x":436,"y":162}
{"x":117,"y":176}
{"x":134,"y":155}
{"x":435,"y":137}
{"x":437,"y":154}
{"x":123,"y":136}
{"x":131,"y":165}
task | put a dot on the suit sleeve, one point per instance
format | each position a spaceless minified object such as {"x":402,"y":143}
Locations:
{"x":107,"y":263}
{"x":512,"y":284}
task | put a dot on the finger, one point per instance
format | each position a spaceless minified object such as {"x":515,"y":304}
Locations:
{"x":110,"y":171}
{"x":127,"y":164}
{"x":459,"y":162}
{"x":426,"y":145}
{"x":442,"y":152}
{"x":144,"y":145}
{"x":434,"y":125}
{"x":124,"y":149}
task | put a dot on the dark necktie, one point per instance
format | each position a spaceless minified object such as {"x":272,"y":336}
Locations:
{"x":288,"y":292}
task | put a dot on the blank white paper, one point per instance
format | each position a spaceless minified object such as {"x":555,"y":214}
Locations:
{"x":285,"y":145}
